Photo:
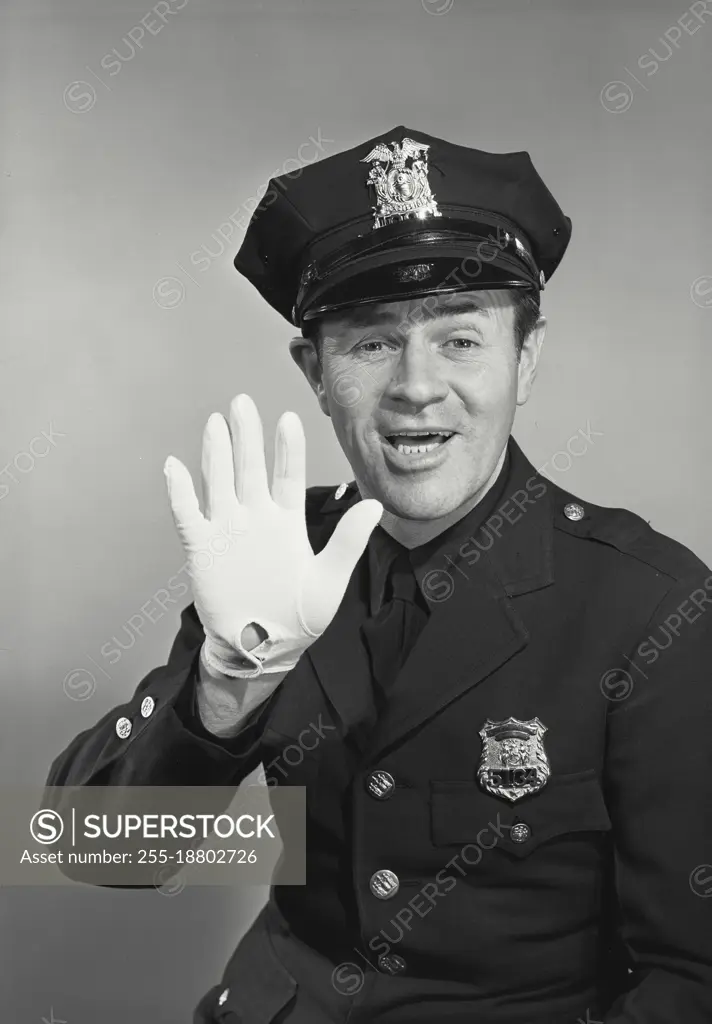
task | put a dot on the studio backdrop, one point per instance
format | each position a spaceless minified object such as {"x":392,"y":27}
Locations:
{"x":136,"y":143}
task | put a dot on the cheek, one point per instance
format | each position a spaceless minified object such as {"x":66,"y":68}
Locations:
{"x":352,"y":393}
{"x":350,"y":406}
{"x":489,"y":389}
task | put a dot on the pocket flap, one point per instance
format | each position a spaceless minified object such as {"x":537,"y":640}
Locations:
{"x":462,"y":812}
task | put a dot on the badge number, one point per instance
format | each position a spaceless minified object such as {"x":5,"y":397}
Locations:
{"x":513,"y":777}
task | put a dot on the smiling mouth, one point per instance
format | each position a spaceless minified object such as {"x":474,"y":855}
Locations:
{"x":417,"y":442}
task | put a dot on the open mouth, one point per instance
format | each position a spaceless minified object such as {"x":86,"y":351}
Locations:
{"x":418,"y":442}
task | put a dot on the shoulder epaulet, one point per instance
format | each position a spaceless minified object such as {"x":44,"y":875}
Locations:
{"x":626,"y":532}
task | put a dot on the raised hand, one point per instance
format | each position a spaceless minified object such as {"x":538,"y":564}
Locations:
{"x":249,"y":556}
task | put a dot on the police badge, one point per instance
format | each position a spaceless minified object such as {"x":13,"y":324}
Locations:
{"x":513,"y":762}
{"x":400,"y":178}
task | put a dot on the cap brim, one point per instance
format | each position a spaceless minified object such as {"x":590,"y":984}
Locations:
{"x":415,"y":271}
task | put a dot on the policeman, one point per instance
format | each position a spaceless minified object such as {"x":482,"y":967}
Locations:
{"x":510,"y":791}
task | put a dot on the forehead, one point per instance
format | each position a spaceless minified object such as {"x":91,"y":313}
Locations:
{"x":441,"y":306}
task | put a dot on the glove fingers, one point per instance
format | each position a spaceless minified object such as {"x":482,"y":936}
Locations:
{"x":217,"y":469}
{"x":181,"y":495}
{"x":249,"y":450}
{"x":289,"y":474}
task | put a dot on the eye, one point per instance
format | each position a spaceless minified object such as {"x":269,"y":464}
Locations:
{"x":373,"y":345}
{"x":462,"y":344}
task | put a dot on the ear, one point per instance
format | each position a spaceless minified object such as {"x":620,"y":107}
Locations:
{"x":529,"y":360}
{"x":305,"y":355}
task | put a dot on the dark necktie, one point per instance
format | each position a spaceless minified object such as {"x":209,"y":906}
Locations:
{"x":391,"y":634}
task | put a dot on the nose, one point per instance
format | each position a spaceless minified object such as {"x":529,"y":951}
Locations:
{"x":417,"y":378}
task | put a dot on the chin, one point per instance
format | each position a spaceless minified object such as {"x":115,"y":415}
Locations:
{"x":419,"y":503}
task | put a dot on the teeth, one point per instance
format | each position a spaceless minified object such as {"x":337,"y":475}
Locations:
{"x":424,"y":433}
{"x":419,"y":449}
{"x":407,"y":449}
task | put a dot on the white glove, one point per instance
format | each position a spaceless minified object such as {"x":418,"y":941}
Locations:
{"x":249,"y":557}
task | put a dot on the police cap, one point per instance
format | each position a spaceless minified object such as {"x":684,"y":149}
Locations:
{"x":400,"y":216}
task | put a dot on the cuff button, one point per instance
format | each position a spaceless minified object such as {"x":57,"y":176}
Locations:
{"x":147,"y":706}
{"x":123,"y":728}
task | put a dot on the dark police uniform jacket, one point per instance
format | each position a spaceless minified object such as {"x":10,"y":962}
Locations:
{"x":583,"y":901}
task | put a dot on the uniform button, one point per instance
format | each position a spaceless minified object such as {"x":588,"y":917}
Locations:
{"x":340,"y":491}
{"x":380,"y":784}
{"x":391,"y":963}
{"x":574,"y":511}
{"x":123,"y":728}
{"x":520,"y":832}
{"x":147,"y":706}
{"x":384,"y":884}
{"x":223,"y":996}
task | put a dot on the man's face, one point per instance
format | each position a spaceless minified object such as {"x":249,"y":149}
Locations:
{"x":422,"y":395}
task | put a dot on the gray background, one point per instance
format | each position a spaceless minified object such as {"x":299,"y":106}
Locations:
{"x":107,"y":194}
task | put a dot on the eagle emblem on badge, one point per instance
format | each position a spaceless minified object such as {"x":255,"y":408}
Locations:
{"x":400,"y":177}
{"x":513,"y":762}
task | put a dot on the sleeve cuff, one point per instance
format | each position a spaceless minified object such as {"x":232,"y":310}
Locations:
{"x":186,"y":708}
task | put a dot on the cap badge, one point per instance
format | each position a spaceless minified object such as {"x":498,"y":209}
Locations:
{"x":400,"y":178}
{"x":513,"y":761}
{"x":413,"y":272}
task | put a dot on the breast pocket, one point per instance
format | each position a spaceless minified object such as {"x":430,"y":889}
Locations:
{"x":566,"y":809}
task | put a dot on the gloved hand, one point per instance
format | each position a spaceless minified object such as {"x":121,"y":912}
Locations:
{"x":249,"y":556}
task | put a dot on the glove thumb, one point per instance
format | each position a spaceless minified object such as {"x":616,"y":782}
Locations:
{"x":333,"y":566}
